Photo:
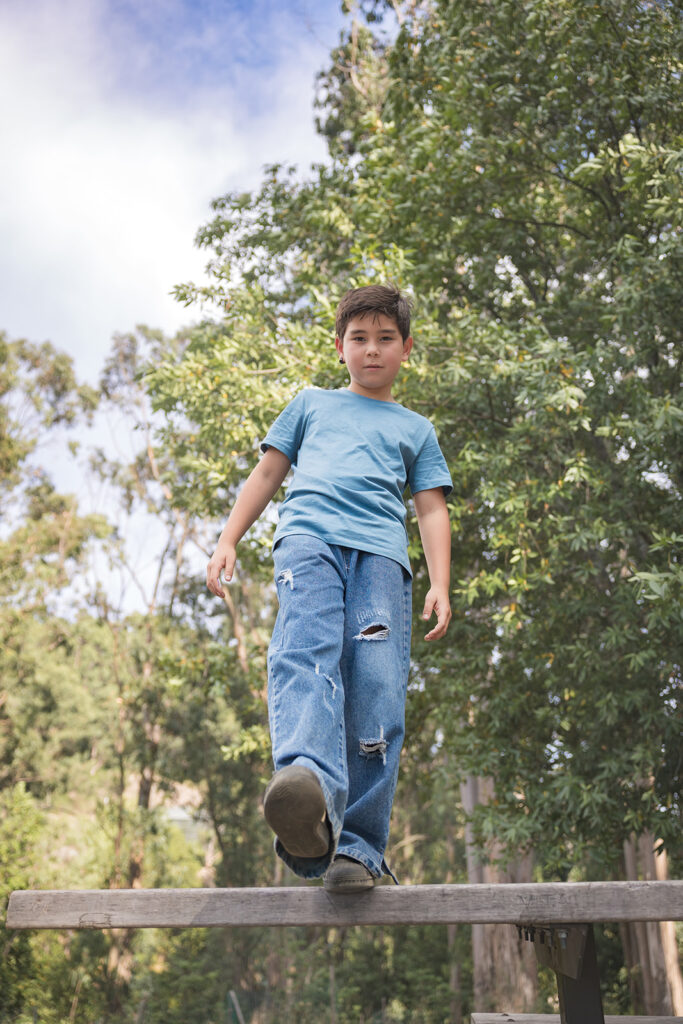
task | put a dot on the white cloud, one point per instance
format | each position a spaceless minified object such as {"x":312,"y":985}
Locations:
{"x":113,"y":152}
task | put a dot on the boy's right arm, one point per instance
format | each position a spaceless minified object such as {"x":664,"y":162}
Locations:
{"x":262,"y":484}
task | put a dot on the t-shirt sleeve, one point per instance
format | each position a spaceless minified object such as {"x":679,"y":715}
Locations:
{"x":286,"y":433}
{"x":429,"y":468}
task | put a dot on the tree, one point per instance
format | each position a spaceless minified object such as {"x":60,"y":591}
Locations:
{"x":20,"y":829}
{"x":39,"y":391}
{"x":519,"y":167}
{"x":48,"y":721}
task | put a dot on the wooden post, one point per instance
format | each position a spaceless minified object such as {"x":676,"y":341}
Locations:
{"x":580,"y":999}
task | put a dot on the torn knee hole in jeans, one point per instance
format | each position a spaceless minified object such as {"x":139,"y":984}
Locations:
{"x":375,"y":747}
{"x":376,"y":631}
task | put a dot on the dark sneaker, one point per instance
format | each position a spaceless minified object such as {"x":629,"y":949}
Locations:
{"x":294,"y":807}
{"x":347,"y":875}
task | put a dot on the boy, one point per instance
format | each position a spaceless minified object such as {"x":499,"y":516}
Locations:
{"x":339,"y":656}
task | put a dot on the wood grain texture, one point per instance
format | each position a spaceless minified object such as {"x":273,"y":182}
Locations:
{"x":554,"y":1018}
{"x":529,"y":903}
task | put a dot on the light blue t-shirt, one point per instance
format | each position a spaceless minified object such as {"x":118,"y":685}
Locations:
{"x":352,"y":458}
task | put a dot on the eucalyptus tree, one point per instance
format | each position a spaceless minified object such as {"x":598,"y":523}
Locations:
{"x":518,"y":166}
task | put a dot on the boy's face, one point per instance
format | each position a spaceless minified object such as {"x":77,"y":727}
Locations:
{"x":373,"y":350}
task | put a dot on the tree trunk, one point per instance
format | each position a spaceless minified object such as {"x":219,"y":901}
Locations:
{"x":505,"y":975}
{"x":454,"y":984}
{"x":669,"y":943}
{"x":650,"y":948}
{"x":454,"y":974}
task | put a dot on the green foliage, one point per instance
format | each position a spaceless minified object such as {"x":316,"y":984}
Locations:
{"x":519,"y":169}
{"x":38,"y":389}
{"x":20,"y":827}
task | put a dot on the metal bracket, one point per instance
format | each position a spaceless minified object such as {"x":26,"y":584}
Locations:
{"x":570,"y":951}
{"x":561,"y":948}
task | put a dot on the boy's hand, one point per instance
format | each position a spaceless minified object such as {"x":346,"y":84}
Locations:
{"x":222,"y":560}
{"x":437,"y":601}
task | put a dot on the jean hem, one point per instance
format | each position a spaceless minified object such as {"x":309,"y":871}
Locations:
{"x":304,"y":867}
{"x":359,"y":854}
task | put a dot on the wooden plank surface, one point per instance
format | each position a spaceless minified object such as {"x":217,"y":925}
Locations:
{"x":554,"y":1018}
{"x":529,"y":903}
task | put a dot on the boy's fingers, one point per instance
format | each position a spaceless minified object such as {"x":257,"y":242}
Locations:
{"x":436,"y":633}
{"x":213,"y":582}
{"x":229,"y":568}
{"x":213,"y":575}
{"x":430,"y":603}
{"x":443,"y":618}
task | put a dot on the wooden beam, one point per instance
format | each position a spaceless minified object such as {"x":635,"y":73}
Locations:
{"x":529,"y":903}
{"x":554,"y":1018}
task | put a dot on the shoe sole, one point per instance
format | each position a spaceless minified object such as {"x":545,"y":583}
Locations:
{"x":294,"y":807}
{"x":349,"y":887}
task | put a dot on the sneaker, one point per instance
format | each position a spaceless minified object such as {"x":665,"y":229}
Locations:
{"x":347,"y":875}
{"x":294,"y":807}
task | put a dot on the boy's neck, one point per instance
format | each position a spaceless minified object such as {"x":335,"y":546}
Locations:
{"x":380,"y":395}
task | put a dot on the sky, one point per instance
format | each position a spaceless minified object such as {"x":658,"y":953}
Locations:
{"x":120,"y":121}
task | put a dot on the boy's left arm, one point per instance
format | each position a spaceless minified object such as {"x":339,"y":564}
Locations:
{"x":435,"y":531}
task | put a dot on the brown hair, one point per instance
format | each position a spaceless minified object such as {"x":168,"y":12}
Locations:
{"x":374,"y":299}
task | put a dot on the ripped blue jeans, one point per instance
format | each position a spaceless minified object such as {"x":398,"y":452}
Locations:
{"x":337,"y":677}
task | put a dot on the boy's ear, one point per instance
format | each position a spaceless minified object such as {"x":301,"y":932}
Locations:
{"x":339,"y":345}
{"x":407,"y":346}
